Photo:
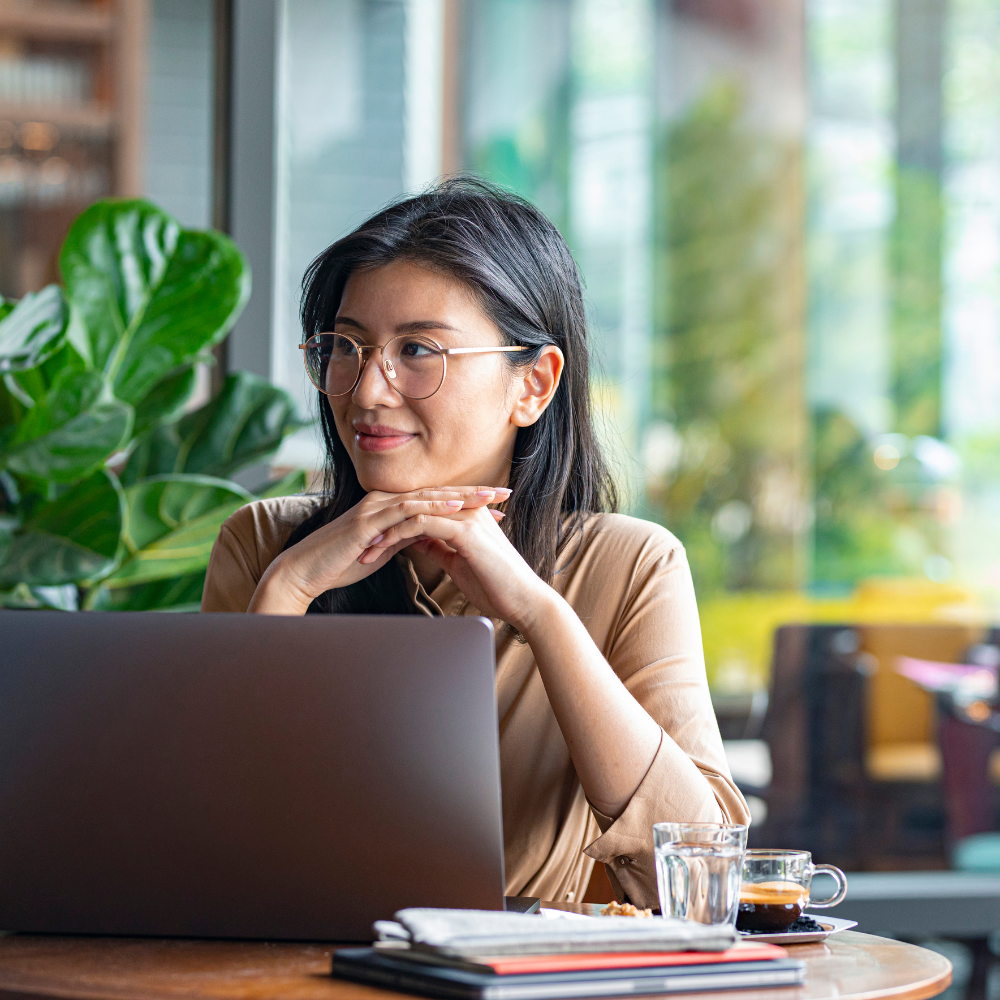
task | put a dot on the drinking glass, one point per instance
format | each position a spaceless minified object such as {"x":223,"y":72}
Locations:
{"x":698,"y":869}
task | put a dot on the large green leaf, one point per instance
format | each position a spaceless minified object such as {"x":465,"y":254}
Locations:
{"x":163,"y":504}
{"x":153,"y":455}
{"x":8,"y":525}
{"x":62,"y":598}
{"x":165,"y":401}
{"x":32,"y":330}
{"x":70,"y":539}
{"x":151,"y":296}
{"x":173,"y":523}
{"x":293,"y":482}
{"x":185,"y":550}
{"x":245,"y":423}
{"x":70,"y":431}
{"x":180,"y":593}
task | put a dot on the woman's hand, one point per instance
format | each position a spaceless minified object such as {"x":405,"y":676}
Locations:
{"x":470,"y":547}
{"x":340,"y":553}
{"x":590,"y":703}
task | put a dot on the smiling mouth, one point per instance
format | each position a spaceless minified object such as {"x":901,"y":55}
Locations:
{"x":379,"y":438}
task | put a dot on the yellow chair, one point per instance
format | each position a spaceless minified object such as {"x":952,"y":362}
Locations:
{"x":901,"y":720}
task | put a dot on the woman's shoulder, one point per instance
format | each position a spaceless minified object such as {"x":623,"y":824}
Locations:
{"x":264,"y":525}
{"x":615,"y":553}
{"x":623,"y":535}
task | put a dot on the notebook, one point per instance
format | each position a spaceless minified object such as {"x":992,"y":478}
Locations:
{"x":541,"y":977}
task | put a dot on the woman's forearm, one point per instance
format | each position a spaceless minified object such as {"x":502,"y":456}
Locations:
{"x":611,"y":737}
{"x":277,"y":595}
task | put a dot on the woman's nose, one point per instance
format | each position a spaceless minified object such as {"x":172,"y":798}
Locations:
{"x":373,"y":389}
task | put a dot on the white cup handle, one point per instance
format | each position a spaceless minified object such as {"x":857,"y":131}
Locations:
{"x":838,"y":897}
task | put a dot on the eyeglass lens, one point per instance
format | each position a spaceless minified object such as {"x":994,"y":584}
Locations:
{"x":413,"y":367}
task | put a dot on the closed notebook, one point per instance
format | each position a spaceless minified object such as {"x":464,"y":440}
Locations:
{"x":541,"y":977}
{"x":507,"y":965}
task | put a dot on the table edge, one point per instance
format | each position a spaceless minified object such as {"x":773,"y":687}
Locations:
{"x":12,"y":989}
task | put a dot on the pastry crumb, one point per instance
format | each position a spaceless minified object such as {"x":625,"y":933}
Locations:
{"x":625,"y":910}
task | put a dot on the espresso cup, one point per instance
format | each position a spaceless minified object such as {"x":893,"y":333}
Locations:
{"x":776,"y":889}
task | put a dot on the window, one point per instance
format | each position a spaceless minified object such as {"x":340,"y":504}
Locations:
{"x":787,"y":215}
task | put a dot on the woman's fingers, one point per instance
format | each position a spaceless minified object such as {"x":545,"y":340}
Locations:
{"x":382,"y":556}
{"x":378,"y":522}
{"x":423,"y":525}
{"x":446,"y":504}
{"x":472,"y":495}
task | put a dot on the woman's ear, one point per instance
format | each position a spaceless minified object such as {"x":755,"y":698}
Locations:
{"x":535,"y":392}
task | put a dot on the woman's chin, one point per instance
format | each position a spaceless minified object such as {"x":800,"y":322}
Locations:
{"x":383,"y":483}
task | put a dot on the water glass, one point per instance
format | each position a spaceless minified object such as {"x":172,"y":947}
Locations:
{"x":698,"y":869}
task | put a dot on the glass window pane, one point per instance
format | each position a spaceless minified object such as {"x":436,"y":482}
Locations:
{"x":340,"y":152}
{"x":787,"y":216}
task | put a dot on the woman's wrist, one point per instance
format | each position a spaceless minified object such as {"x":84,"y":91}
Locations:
{"x":544,"y":605}
{"x":278,"y":593}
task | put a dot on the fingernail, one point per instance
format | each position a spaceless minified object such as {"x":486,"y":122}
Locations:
{"x":454,"y":503}
{"x":376,"y":540}
{"x":485,"y":493}
{"x":503,"y":489}
{"x":498,"y":514}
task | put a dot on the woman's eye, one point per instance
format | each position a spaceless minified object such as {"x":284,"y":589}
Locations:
{"x":415,"y":349}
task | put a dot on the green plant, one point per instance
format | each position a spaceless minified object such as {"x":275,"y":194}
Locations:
{"x":112,"y":490}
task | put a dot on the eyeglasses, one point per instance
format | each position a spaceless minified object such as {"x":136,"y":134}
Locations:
{"x":415,"y":366}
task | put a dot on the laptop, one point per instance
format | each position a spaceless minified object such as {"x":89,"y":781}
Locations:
{"x":245,"y":776}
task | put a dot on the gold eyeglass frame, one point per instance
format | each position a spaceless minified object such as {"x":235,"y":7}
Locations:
{"x":445,"y":353}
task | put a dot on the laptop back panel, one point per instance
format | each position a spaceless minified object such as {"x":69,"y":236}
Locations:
{"x":244,"y":776}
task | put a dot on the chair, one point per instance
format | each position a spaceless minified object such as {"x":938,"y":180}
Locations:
{"x":856,"y":768}
{"x":969,"y":737}
{"x":814,"y":728}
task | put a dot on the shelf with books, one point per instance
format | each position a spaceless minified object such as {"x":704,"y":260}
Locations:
{"x":64,"y":22}
{"x":72,"y":76}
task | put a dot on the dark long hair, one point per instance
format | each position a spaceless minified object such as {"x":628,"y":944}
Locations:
{"x":520,"y":269}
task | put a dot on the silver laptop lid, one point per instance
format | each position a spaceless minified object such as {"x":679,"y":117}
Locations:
{"x":242,"y":775}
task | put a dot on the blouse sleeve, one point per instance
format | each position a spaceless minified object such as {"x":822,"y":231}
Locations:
{"x":234,"y":568}
{"x":657,"y":652}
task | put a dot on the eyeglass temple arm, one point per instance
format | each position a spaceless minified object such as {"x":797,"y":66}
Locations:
{"x":446,"y":350}
{"x":479,"y":350}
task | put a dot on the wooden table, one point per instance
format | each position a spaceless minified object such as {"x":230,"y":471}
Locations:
{"x":849,"y":966}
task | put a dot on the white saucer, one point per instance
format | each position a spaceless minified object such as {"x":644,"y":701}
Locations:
{"x":830,"y":925}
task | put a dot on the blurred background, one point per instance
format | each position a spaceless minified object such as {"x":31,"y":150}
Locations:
{"x":787,"y":215}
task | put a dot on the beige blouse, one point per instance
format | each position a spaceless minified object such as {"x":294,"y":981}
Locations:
{"x":629,"y":582}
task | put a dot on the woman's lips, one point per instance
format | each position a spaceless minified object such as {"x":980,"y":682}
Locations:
{"x":379,"y":438}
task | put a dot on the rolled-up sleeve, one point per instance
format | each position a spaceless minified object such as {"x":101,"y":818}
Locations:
{"x":657,"y":652}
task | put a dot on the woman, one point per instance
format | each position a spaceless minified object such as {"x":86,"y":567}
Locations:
{"x":447,"y":338}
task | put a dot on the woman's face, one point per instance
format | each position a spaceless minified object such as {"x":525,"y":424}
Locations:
{"x":464,"y":434}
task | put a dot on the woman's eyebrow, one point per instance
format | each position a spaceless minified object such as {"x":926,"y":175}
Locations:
{"x":425,"y":324}
{"x":412,"y":327}
{"x":347,"y":321}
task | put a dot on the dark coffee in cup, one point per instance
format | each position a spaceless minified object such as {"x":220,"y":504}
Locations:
{"x":770,"y":906}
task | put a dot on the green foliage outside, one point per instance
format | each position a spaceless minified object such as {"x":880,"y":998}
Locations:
{"x":854,"y":533}
{"x":775,"y":500}
{"x":112,"y":492}
{"x":728,"y":347}
{"x":916,"y":244}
